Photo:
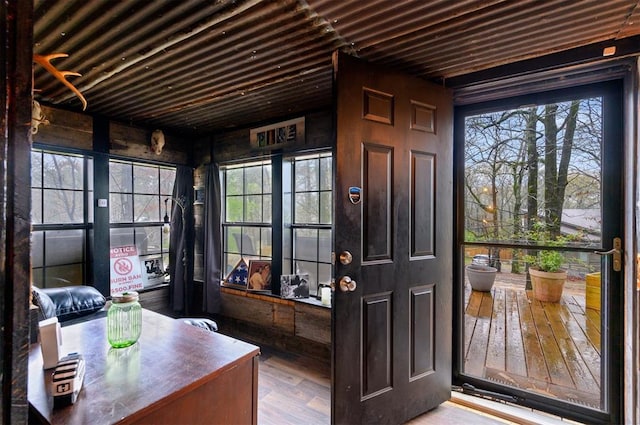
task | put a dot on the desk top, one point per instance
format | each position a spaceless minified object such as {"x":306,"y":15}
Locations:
{"x":170,"y":359}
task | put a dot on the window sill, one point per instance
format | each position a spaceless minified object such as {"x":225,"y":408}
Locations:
{"x":272,"y":298}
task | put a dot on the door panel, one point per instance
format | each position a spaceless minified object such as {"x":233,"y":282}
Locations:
{"x":394,"y":143}
{"x":543,"y":182}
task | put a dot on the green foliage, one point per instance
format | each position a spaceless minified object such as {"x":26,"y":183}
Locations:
{"x":549,"y":261}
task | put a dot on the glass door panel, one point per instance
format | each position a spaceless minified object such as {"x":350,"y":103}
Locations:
{"x":532,"y":289}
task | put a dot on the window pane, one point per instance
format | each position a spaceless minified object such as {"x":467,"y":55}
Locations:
{"x":64,"y":247}
{"x":37,"y":249}
{"x":145,"y":179}
{"x":326,"y":173}
{"x":234,"y":181}
{"x":251,"y":241}
{"x":522,"y":166}
{"x":325,"y":245}
{"x":148,"y":240}
{"x":66,"y":275}
{"x":265,"y":242}
{"x":36,"y":169}
{"x":324,"y":274}
{"x":63,"y":206}
{"x":311,"y":269}
{"x":234,"y":209}
{"x":121,"y":237}
{"x":326,"y":209}
{"x":121,"y":208}
{"x":232,"y":239}
{"x":63,"y":171}
{"x":266,"y":209}
{"x":120,"y":177}
{"x":306,"y":208}
{"x":37,"y":276}
{"x":146,"y":208}
{"x":167,"y":179}
{"x":89,"y":162}
{"x":253,"y":180}
{"x":266,"y":178}
{"x":287,"y":243}
{"x":305,"y":244}
{"x":307,"y":174}
{"x":36,"y":206}
{"x":253,"y":212}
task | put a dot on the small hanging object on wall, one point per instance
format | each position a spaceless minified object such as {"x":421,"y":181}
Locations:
{"x":45,"y":62}
{"x":37,"y":117}
{"x":157,"y":141}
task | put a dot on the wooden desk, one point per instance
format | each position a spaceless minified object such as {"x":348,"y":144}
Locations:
{"x":175,"y":373}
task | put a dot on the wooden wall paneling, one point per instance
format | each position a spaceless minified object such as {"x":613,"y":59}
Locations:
{"x":246,"y":309}
{"x":313,"y":323}
{"x":135,"y":142}
{"x":234,"y":145}
{"x":284,"y":318}
{"x":67,"y":129}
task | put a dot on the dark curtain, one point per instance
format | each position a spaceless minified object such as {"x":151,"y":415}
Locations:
{"x":181,"y":241}
{"x":212,"y":241}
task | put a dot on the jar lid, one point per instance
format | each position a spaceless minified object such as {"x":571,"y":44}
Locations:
{"x":125,"y":297}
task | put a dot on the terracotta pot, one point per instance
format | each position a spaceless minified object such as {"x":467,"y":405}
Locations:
{"x":547,"y":286}
{"x":481,"y":277}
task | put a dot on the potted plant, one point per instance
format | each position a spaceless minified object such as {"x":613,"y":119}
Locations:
{"x":480,"y":274}
{"x":547,"y":276}
{"x":545,"y":267}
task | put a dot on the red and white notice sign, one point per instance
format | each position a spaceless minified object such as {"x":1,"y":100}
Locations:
{"x":125,"y":270}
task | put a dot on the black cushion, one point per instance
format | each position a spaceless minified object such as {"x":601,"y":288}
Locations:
{"x":46,"y":307}
{"x":75,"y":301}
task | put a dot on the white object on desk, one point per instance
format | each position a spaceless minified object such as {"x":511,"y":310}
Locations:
{"x":50,"y":342}
{"x":325,"y":295}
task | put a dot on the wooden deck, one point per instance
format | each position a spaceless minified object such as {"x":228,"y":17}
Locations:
{"x":549,"y":348}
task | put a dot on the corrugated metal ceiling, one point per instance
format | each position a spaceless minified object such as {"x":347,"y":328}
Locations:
{"x":200,"y":65}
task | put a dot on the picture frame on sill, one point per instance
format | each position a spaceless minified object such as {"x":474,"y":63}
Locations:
{"x":238,"y":277}
{"x":259,"y":276}
{"x":294,"y":286}
{"x":152,"y":270}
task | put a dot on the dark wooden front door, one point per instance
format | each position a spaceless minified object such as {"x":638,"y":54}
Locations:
{"x":392,"y":323}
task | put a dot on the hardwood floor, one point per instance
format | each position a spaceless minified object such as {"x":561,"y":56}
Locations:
{"x":549,"y":348}
{"x":294,"y":390}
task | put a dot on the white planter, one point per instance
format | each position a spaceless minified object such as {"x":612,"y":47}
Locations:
{"x":480,"y":277}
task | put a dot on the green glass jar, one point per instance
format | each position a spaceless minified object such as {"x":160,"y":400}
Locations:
{"x":124,"y":320}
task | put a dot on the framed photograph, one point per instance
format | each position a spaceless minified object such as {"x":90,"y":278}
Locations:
{"x":259,"y":275}
{"x":237,"y":278}
{"x":294,"y":285}
{"x":152,"y":270}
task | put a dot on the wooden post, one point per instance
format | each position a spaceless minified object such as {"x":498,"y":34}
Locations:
{"x":16,"y":25}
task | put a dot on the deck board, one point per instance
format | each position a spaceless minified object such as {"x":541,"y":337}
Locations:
{"x":552,"y":349}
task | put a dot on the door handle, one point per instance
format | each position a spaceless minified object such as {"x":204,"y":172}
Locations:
{"x":347,"y":284}
{"x":616,"y":252}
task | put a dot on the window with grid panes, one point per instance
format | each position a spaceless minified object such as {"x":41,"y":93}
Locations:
{"x":307,"y":222}
{"x":137,"y":194}
{"x":61,"y":217}
{"x":247,"y":221}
